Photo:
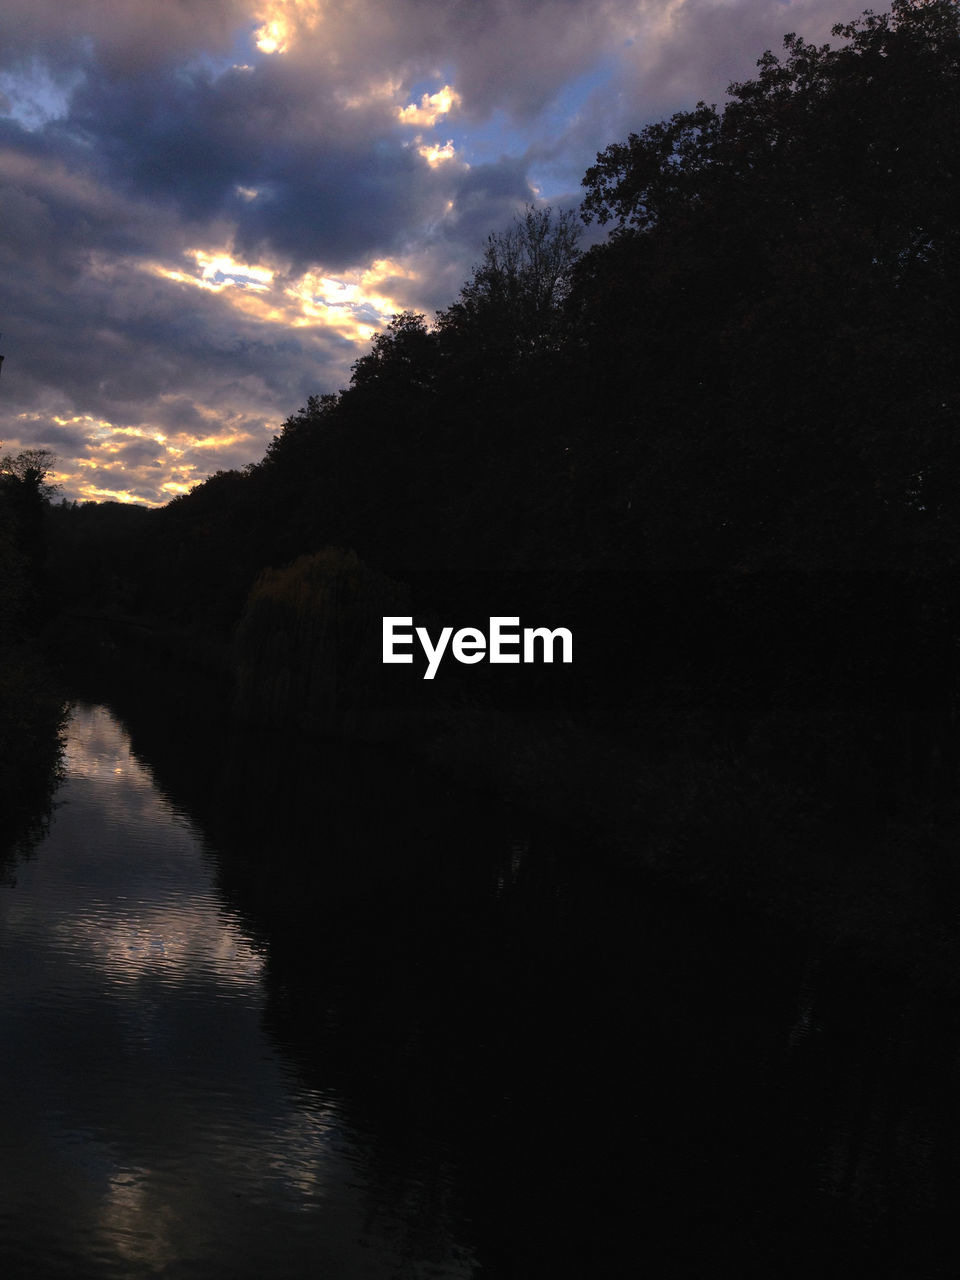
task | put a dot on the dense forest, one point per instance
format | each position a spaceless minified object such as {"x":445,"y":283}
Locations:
{"x":31,"y":709}
{"x":719,"y":445}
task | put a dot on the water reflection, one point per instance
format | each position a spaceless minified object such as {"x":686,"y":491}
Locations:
{"x":154,"y":1129}
{"x":369,"y":1026}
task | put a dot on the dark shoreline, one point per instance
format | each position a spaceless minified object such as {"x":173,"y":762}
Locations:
{"x":883,"y":887}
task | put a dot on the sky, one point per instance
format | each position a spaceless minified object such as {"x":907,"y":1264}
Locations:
{"x":209,"y":207}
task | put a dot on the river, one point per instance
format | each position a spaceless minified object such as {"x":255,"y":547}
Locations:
{"x":421,"y":1039}
{"x":157,"y":1128}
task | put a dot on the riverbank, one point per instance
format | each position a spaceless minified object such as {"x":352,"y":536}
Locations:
{"x":509,"y":1029}
{"x":32,"y":717}
{"x":885,"y":887}
{"x":670,"y":801}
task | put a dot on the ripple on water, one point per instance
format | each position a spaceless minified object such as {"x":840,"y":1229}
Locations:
{"x":155,"y":1128}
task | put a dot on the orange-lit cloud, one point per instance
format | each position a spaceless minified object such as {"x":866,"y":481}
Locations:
{"x":148,"y":463}
{"x":209,"y":208}
{"x":350,"y":304}
{"x":282,"y":21}
{"x":431,"y":108}
{"x":435,"y":154}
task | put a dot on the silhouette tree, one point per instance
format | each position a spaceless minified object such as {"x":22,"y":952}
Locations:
{"x":25,"y":492}
{"x":29,"y":469}
{"x":401,"y":362}
{"x":779,"y":284}
{"x":31,"y":710}
{"x":512,"y":306}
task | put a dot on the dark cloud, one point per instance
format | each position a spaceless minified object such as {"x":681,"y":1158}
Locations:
{"x":65,"y":442}
{"x":137,"y":453}
{"x":125,"y":37}
{"x":195,"y":142}
{"x":336,"y":205}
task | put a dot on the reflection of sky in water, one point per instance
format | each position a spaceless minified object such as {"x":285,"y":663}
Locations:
{"x":155,"y":1128}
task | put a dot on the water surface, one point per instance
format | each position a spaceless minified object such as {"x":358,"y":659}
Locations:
{"x":149,"y":1124}
{"x":277,"y":1010}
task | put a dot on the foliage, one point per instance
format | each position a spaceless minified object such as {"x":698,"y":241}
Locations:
{"x":402,"y":360}
{"x":782,"y":275}
{"x":31,"y":711}
{"x":32,"y":716}
{"x":512,"y":305}
{"x":24,"y":497}
{"x":308,"y":644}
{"x":14,"y":582}
{"x":823,"y":127}
{"x":29,"y":470}
{"x":25,"y":492}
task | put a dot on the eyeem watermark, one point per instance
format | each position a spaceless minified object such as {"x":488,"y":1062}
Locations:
{"x":506,"y":643}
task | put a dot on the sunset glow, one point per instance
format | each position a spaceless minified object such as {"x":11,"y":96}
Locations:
{"x":209,"y":210}
{"x":432,"y":107}
{"x":435,"y":155}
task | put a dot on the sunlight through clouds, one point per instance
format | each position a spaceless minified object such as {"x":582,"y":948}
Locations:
{"x":212,"y":207}
{"x":350,"y":305}
{"x":222,"y":269}
{"x":281,"y":21}
{"x":432,"y":107}
{"x":272,"y":36}
{"x":146,"y":464}
{"x":435,"y":154}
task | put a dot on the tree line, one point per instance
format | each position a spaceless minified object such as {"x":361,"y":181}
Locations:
{"x":31,"y":709}
{"x":722,"y":442}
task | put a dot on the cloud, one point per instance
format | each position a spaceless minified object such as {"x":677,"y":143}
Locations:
{"x":686,"y":50}
{"x":432,"y":107}
{"x":124,"y":37}
{"x":210,"y":206}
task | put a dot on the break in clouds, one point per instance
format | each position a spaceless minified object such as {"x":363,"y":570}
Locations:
{"x":208,"y":208}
